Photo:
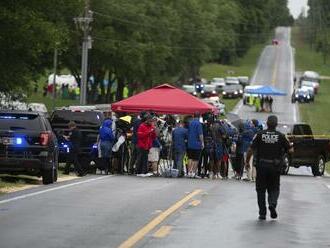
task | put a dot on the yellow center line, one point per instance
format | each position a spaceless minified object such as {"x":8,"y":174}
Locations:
{"x":136,"y":237}
{"x":162,"y":232}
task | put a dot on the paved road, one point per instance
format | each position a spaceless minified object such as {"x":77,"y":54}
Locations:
{"x":276,"y":68}
{"x":109,"y":211}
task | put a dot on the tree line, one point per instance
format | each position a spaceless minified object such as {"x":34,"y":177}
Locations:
{"x":134,"y":43}
{"x":315,"y":27}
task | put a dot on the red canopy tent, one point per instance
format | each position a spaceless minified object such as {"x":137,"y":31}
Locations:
{"x":163,"y":99}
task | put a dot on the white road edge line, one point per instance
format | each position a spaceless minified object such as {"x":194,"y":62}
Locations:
{"x":291,"y":76}
{"x":49,"y":190}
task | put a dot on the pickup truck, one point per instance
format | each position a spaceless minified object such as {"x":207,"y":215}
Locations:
{"x":88,"y":122}
{"x":308,"y":150}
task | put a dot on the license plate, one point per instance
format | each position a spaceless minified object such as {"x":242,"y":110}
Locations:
{"x":6,"y":141}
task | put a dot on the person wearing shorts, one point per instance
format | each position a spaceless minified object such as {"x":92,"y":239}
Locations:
{"x":195,"y":145}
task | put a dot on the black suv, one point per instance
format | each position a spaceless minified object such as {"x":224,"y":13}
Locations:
{"x":88,"y":122}
{"x":27,"y":145}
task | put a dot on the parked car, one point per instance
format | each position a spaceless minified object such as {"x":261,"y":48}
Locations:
{"x":217,"y":103}
{"x":310,"y":91}
{"x":232,"y":91}
{"x":209,"y":91}
{"x":38,"y":107}
{"x":244,"y":81}
{"x":28,"y":145}
{"x":308,"y":150}
{"x":88,"y":122}
{"x":189,"y":89}
{"x":219,"y":84}
{"x":311,"y":76}
{"x":301,"y":95}
{"x":232,"y":81}
{"x":314,"y":85}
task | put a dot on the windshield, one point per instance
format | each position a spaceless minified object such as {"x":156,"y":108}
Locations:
{"x":84,"y":118}
{"x":10,"y":121}
{"x":308,"y":84}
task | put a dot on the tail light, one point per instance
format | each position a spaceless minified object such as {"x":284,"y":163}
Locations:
{"x":45,"y":138}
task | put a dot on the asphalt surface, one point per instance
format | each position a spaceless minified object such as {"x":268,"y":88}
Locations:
{"x":275,"y":68}
{"x":107,"y":211}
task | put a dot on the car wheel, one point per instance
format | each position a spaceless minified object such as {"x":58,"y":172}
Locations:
{"x":286,"y":165}
{"x":55,"y":168}
{"x":319,"y":167}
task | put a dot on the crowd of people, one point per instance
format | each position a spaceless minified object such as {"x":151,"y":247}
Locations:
{"x":198,"y":146}
{"x":264,"y":103}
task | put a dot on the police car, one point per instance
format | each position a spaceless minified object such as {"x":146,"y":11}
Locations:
{"x":27,"y":145}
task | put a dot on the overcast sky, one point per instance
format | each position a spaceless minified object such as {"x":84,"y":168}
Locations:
{"x":296,"y":6}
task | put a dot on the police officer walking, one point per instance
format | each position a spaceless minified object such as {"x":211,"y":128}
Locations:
{"x":268,"y":147}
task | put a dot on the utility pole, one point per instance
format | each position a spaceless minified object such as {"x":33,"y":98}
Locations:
{"x":84,"y":24}
{"x":54,"y":78}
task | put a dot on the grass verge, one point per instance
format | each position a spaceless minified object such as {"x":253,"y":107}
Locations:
{"x":317,"y":113}
{"x":9,"y":183}
{"x":305,"y":57}
{"x":244,"y":66}
{"x":48,"y":101}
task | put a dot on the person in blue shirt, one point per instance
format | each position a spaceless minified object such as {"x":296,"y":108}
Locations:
{"x":179,"y":143}
{"x":106,"y":139}
{"x":195,"y":145}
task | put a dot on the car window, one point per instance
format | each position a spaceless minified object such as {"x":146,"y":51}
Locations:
{"x":83,"y":118}
{"x":302,"y":130}
{"x":15,"y":121}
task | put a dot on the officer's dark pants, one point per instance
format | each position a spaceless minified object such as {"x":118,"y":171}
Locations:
{"x":268,"y":179}
{"x":78,"y":168}
{"x":142,"y":161}
{"x":133,"y":158}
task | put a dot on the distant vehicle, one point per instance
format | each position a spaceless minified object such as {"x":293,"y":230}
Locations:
{"x":199,"y":87}
{"x":28,"y":145}
{"x":38,"y":107}
{"x":244,"y":81}
{"x":232,"y":91}
{"x":189,"y":89}
{"x":311,"y":76}
{"x":311,"y":84}
{"x":216,"y":103}
{"x":88,"y":122}
{"x":301,"y":95}
{"x":310,"y":91}
{"x":232,"y":81}
{"x":219,"y":83}
{"x":209,"y":91}
{"x":246,"y":96}
{"x":308,"y":150}
{"x":275,"y":42}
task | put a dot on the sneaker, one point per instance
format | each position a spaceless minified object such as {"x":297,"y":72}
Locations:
{"x":262,"y":217}
{"x":197,"y":177}
{"x":273,"y":213}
